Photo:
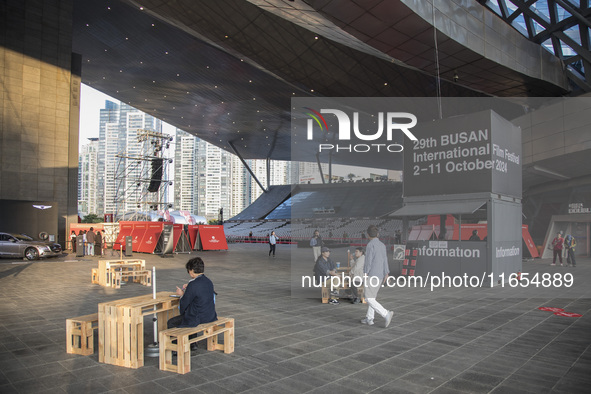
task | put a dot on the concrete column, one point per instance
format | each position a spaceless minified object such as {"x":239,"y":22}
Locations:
{"x":39,"y":104}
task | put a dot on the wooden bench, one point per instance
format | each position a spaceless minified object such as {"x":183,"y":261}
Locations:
{"x":80,"y":334}
{"x":182,"y":345}
{"x":143,"y":277}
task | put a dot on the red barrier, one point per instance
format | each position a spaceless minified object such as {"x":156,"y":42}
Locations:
{"x":137,"y":234}
{"x":212,"y":237}
{"x":193,"y":230}
{"x":125,"y":229}
{"x":177,"y":231}
{"x":150,"y":237}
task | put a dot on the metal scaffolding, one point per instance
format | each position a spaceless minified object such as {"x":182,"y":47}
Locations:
{"x":141,"y":176}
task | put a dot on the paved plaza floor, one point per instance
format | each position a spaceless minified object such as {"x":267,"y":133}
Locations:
{"x":445,"y":340}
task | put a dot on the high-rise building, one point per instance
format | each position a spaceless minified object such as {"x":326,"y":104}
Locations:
{"x":88,"y":177}
{"x":185,"y":171}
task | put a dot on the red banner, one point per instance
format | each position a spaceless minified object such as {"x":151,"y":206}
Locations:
{"x":137,"y":234}
{"x":212,"y":238}
{"x":529,"y":242}
{"x":151,"y":237}
{"x":177,"y":231}
{"x":125,"y":229}
{"x":193,"y":230}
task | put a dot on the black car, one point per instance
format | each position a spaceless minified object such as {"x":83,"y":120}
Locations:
{"x":21,"y":245}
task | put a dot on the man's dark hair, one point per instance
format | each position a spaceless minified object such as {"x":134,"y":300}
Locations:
{"x":196,"y":265}
{"x":360,"y":248}
{"x":372,"y":231}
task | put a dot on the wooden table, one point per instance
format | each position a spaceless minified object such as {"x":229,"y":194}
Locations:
{"x":121,"y":326}
{"x":106,"y":268}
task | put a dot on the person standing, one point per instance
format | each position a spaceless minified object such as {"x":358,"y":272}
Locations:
{"x":557,"y":245}
{"x":90,"y":239}
{"x":357,"y":263}
{"x":84,"y":243}
{"x":474,"y":236}
{"x":570,"y":244}
{"x":316,"y":244}
{"x":272,"y":243}
{"x":375,"y":270}
{"x":98,"y":243}
{"x":73,"y":241}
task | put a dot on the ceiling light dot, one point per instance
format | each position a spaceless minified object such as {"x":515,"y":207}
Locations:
{"x":225,"y":36}
{"x":312,"y":90}
{"x":87,"y":25}
{"x":152,"y":25}
{"x":178,"y":75}
{"x":385,"y":83}
{"x":126,"y":38}
{"x":315,"y":37}
{"x":141,"y":8}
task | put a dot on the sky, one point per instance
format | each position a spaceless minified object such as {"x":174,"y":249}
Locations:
{"x":91,"y":101}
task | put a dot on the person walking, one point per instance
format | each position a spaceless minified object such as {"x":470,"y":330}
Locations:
{"x":557,"y":245}
{"x":272,"y":243}
{"x":376,"y":270}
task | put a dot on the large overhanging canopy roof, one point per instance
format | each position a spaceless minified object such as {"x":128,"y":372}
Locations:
{"x":225,"y":70}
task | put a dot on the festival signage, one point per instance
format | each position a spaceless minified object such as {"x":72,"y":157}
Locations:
{"x":150,"y":238}
{"x":212,"y":237}
{"x":479,"y":152}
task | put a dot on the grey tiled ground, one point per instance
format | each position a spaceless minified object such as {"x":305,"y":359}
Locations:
{"x":443,"y":341}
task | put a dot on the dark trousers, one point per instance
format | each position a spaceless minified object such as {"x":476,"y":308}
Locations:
{"x":557,"y":252}
{"x":570,"y":257}
{"x":174,"y":321}
{"x":272,"y":249}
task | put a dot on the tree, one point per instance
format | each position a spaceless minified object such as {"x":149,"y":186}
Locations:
{"x":92,"y":218}
{"x":351,"y":176}
{"x":212,"y":222}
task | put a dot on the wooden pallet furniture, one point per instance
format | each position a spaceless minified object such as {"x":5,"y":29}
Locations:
{"x":94,"y":276}
{"x":80,"y":334}
{"x":344,"y":285}
{"x":121,"y":326}
{"x":143,"y":277}
{"x":177,"y":340}
{"x":107,"y":268}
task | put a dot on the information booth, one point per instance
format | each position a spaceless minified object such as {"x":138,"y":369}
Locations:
{"x":469,"y":167}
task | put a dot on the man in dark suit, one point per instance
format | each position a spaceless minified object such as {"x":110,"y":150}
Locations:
{"x":197,"y":298}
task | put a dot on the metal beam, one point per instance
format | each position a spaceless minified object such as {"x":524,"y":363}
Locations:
{"x":319,"y":167}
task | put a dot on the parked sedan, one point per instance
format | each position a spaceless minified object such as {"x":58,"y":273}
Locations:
{"x":20,"y":245}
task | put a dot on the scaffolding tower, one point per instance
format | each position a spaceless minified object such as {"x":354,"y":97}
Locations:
{"x":141,"y":177}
